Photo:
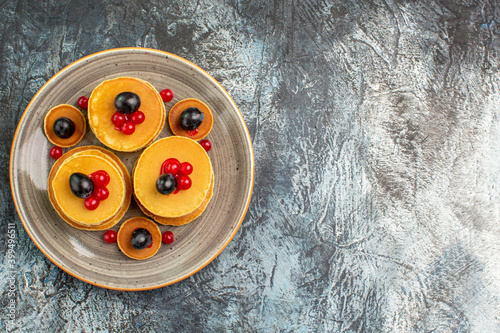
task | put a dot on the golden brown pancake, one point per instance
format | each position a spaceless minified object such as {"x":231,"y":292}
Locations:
{"x":147,"y":170}
{"x":125,"y":235}
{"x":115,"y":163}
{"x":101,"y":109}
{"x":70,"y":112}
{"x":176,"y":111}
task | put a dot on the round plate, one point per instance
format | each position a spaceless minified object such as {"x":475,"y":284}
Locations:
{"x":84,"y":254}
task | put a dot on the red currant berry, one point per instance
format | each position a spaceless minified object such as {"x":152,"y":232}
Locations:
{"x":118,"y":118}
{"x":128,"y":127}
{"x":55,"y":152}
{"x":100,"y":178}
{"x":171,"y":165}
{"x":83,"y":102}
{"x":206,"y":144}
{"x":137,"y":117}
{"x":186,"y":168}
{"x":166,"y":95}
{"x":184,"y":182}
{"x":193,"y":132}
{"x":91,"y":203}
{"x":168,"y":237}
{"x":101,"y":193}
{"x":109,"y":236}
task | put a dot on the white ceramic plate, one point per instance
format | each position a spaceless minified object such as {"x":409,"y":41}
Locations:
{"x":84,"y":254}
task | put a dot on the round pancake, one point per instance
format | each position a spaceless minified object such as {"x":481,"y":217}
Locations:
{"x":176,"y":111}
{"x":70,"y":112}
{"x":147,"y":170}
{"x":125,"y":234}
{"x":101,"y":108}
{"x":112,"y":158}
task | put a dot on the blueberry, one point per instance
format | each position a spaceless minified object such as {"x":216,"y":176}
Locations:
{"x":64,"y":127}
{"x":81,"y":185}
{"x":190,"y":119}
{"x":166,"y":183}
{"x":141,"y":239}
{"x":127,"y":102}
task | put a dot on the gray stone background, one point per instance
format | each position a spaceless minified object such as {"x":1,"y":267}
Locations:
{"x":376,"y":134}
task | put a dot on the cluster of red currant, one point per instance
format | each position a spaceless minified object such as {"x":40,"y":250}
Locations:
{"x":101,"y":180}
{"x":180,"y":171}
{"x":126,"y":122}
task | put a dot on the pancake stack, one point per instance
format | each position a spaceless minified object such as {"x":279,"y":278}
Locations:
{"x":88,"y":160}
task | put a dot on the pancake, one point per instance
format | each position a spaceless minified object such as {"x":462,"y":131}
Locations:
{"x":147,"y":171}
{"x":70,"y":112}
{"x":125,"y":234}
{"x":116,"y":164}
{"x":101,"y":109}
{"x":176,"y":111}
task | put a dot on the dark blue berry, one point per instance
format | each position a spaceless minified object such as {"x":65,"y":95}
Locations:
{"x":190,"y":119}
{"x":127,"y":102}
{"x":64,"y":127}
{"x":166,"y":183}
{"x":81,"y":185}
{"x":141,"y":239}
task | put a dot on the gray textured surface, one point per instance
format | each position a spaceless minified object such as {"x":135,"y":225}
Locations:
{"x":376,"y":135}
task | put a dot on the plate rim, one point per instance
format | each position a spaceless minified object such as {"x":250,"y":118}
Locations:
{"x":12,"y":171}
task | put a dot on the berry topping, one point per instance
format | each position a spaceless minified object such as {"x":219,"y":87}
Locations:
{"x":166,"y":95}
{"x":206,"y":144}
{"x":168,"y":237}
{"x":81,"y":185}
{"x":83,"y":102}
{"x":171,"y":165}
{"x":186,"y":168}
{"x":166,"y":183}
{"x":190,"y":119}
{"x":127,"y":127}
{"x":101,"y":193}
{"x":64,"y":127}
{"x":137,"y":117}
{"x":109,"y":236}
{"x":118,"y":118}
{"x":184,"y":182}
{"x":141,"y":239}
{"x":55,"y":152}
{"x":100,"y":178}
{"x":127,"y":102}
{"x":91,"y":203}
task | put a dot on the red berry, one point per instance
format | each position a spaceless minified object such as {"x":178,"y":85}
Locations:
{"x":101,"y":193}
{"x":100,"y":178}
{"x":186,"y":168}
{"x":109,"y":236}
{"x":55,"y":152}
{"x":137,"y":117}
{"x":171,"y":165}
{"x":118,"y":118}
{"x":128,"y":127}
{"x":193,"y":132}
{"x":166,"y":95}
{"x":91,"y":203}
{"x":184,"y":182}
{"x":168,"y":237}
{"x":83,"y":102}
{"x":206,"y":144}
